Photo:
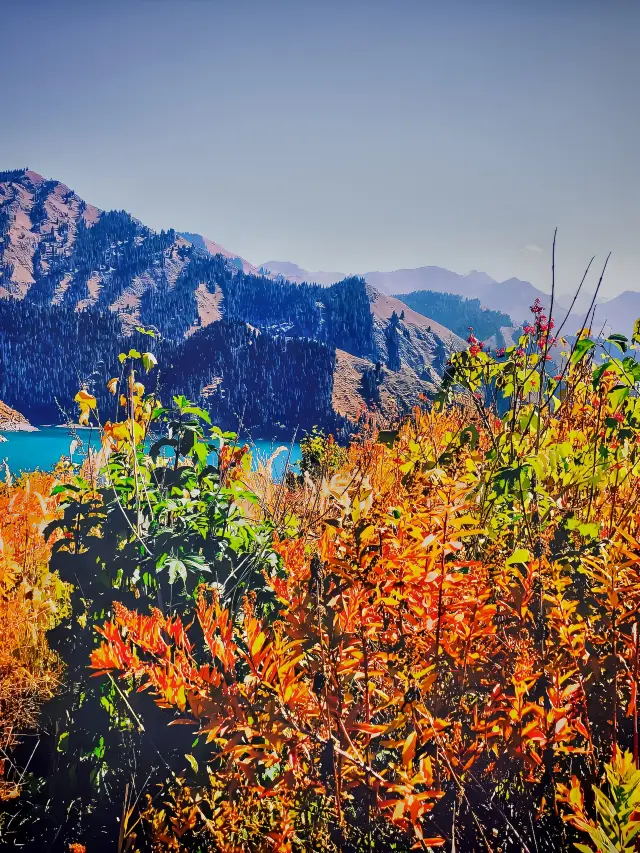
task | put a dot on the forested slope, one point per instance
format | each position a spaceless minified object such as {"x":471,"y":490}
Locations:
{"x":78,"y":281}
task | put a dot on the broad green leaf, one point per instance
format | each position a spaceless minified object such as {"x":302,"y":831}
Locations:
{"x":582,"y":348}
{"x":621,"y":341}
{"x":196,"y":410}
{"x":520,"y":556}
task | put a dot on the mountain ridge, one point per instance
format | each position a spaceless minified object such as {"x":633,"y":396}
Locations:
{"x":70,"y":272}
{"x":475,"y":284}
{"x":513,"y":296}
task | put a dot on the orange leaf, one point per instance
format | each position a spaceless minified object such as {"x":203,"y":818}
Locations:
{"x":409,"y":749}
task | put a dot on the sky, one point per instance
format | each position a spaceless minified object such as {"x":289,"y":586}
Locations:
{"x":349,"y":135}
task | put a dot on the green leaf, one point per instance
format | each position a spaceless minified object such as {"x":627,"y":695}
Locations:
{"x":520,"y":556}
{"x":597,"y":374}
{"x":98,"y":751}
{"x":581,"y":349}
{"x":196,"y":410}
{"x":589,"y":531}
{"x":635,"y":337}
{"x":618,"y":394}
{"x":470,"y":436}
{"x":201,"y":450}
{"x":621,"y":341}
{"x":133,"y":353}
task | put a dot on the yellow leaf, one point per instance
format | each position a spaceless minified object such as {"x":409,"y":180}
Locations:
{"x":192,"y":762}
{"x":85,"y":400}
{"x":258,"y":643}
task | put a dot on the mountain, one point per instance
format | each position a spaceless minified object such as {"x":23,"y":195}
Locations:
{"x":292,"y":272}
{"x":513,"y":297}
{"x":459,"y":314}
{"x":618,"y":314}
{"x":78,"y":282}
{"x":213,"y":248}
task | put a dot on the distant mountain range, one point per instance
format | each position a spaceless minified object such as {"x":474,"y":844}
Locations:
{"x":77,"y":282}
{"x":513,"y":296}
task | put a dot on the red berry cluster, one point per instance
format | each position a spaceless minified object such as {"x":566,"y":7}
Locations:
{"x":474,"y":344}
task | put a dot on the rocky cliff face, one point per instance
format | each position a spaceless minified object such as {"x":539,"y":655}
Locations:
{"x":12,"y":421}
{"x":39,"y":222}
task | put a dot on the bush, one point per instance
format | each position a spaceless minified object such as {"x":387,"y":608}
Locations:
{"x":431,"y":639}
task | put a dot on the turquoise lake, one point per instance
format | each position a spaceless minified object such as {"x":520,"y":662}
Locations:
{"x":28,"y":451}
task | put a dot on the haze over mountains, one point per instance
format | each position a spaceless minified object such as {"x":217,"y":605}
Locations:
{"x":78,"y":282}
{"x":513,"y":296}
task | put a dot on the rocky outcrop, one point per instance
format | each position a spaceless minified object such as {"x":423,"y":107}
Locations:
{"x":12,"y":421}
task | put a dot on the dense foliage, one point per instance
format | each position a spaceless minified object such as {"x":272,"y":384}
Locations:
{"x":32,"y":601}
{"x":429,"y":638}
{"x":457,"y":313}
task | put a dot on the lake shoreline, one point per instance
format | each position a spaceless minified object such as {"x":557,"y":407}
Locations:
{"x":43,"y":448}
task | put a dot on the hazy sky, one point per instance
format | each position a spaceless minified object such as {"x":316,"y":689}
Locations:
{"x":343,"y":135}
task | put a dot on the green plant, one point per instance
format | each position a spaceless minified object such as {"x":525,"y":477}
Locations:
{"x":615,"y":824}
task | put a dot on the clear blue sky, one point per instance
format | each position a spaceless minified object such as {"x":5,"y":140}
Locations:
{"x":343,"y":135}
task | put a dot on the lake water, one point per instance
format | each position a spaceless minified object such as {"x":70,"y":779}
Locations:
{"x":28,"y":451}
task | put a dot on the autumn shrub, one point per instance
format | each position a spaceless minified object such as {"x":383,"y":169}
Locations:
{"x":432,"y":641}
{"x":153,"y":515}
{"x":321,"y":454}
{"x":453,"y":633}
{"x":32,"y":600}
